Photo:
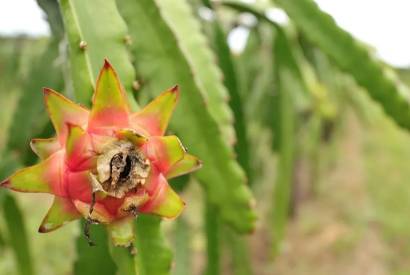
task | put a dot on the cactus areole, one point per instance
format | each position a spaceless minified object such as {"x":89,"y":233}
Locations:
{"x":107,"y":164}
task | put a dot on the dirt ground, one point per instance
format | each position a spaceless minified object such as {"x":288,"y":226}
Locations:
{"x":358,"y":223}
{"x":331,"y":234}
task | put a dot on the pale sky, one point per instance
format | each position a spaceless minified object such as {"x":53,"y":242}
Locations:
{"x":383,"y":24}
{"x":22,"y":16}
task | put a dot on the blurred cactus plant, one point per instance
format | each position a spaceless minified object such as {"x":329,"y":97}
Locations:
{"x":277,"y":100}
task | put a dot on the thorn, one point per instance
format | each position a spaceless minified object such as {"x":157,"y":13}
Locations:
{"x":107,"y":64}
{"x":5,"y":183}
{"x":42,"y":229}
{"x":132,"y":249}
{"x":83,"y":45}
{"x":47,"y":91}
{"x":175,"y":89}
{"x":127,"y":39}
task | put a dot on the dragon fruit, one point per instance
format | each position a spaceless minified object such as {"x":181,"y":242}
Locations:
{"x":107,"y":164}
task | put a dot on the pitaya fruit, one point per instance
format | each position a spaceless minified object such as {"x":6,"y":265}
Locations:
{"x":107,"y":164}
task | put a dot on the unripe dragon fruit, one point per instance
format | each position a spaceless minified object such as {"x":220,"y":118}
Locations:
{"x":107,"y":164}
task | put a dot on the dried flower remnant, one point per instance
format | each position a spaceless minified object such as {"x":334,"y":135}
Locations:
{"x":107,"y":164}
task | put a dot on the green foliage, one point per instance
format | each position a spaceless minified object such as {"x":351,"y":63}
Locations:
{"x":43,"y":72}
{"x":254,"y":68}
{"x":231,"y":83}
{"x":50,"y":7}
{"x":17,"y":236}
{"x":218,"y":235}
{"x":182,"y":235}
{"x":290,"y":98}
{"x":183,"y":250}
{"x":153,"y":256}
{"x":352,"y":57}
{"x":93,"y":259}
{"x":237,"y":111}
{"x":286,"y":76}
{"x":213,"y":235}
{"x":173,"y":51}
{"x":9,"y":68}
{"x":15,"y":225}
{"x":92,"y":38}
{"x":123,"y":259}
{"x":180,"y":21}
{"x":240,"y":254}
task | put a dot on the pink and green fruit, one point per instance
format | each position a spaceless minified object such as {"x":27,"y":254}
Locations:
{"x":107,"y":164}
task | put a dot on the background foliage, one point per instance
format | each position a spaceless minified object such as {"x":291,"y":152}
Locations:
{"x":303,"y":136}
